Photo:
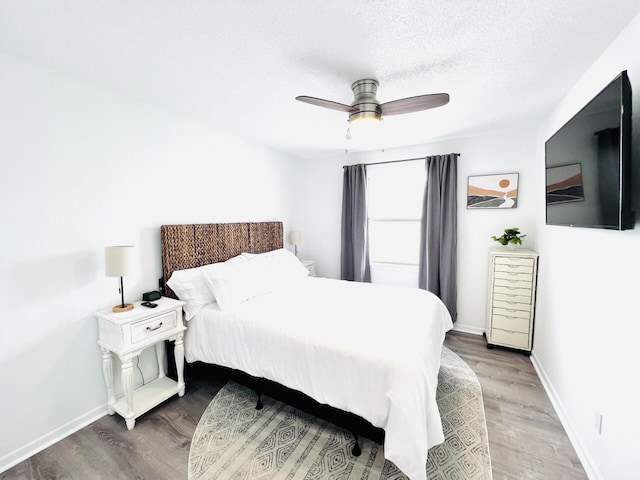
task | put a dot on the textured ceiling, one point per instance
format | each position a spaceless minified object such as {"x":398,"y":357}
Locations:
{"x":237,"y":65}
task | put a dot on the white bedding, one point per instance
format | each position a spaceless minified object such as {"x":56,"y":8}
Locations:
{"x":368,"y":349}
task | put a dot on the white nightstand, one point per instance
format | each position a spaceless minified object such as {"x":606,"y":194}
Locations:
{"x":127,"y":334}
{"x":311,"y":266}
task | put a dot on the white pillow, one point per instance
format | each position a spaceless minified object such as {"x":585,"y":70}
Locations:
{"x":190,"y":287}
{"x":234,"y":284}
{"x":238,"y":258}
{"x":285,"y":265}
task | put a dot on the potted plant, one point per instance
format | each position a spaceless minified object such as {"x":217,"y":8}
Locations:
{"x":510,"y":238}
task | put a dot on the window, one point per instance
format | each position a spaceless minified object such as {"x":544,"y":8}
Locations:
{"x":395,"y":194}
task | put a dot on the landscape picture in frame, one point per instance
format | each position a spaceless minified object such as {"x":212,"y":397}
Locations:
{"x":564,"y":184}
{"x":493,"y":191}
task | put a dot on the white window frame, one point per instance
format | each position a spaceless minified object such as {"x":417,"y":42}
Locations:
{"x":384,"y":267}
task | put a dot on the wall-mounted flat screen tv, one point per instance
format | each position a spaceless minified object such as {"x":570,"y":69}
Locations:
{"x":588,"y":163}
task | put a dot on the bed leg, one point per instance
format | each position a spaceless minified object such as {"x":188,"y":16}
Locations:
{"x":259,"y":404}
{"x":356,"y":448}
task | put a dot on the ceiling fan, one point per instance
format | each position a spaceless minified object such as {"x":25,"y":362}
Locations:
{"x":366,"y":106}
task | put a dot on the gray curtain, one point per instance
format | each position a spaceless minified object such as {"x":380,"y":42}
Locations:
{"x":354,"y":258}
{"x":438,"y":230}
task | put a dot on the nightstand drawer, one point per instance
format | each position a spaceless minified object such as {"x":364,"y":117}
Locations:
{"x":144,"y":329}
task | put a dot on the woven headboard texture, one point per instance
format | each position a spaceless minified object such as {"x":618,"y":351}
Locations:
{"x":194,"y":245}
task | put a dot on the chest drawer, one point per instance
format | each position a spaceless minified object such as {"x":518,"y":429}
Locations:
{"x":528,"y":269}
{"x":512,"y":306}
{"x":511,"y":312}
{"x":509,"y":298}
{"x":512,"y":324}
{"x":153,"y":326}
{"x":513,"y":276}
{"x":521,"y":261}
{"x":510,"y":339}
{"x":512,"y":291}
{"x":512,"y":283}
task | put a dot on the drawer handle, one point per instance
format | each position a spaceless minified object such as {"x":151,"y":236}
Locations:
{"x":149,"y":329}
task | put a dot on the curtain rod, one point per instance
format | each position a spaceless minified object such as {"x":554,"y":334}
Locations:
{"x":395,"y":161}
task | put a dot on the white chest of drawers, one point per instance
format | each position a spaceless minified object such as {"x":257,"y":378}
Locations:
{"x":511,"y":298}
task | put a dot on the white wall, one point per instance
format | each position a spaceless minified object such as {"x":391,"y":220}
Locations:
{"x":588,"y":324}
{"x":318,"y":208}
{"x":83,"y":168}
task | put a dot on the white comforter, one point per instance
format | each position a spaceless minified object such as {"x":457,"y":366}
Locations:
{"x":368,"y":349}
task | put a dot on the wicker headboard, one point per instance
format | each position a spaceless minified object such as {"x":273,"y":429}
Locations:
{"x":194,"y":245}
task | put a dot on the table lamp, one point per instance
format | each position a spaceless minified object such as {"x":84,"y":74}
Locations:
{"x":295,"y":239}
{"x":118,"y":261}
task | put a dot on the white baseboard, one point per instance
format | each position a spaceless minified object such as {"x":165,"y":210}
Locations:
{"x":588,"y":464}
{"x":39,"y":444}
{"x":468,"y":328}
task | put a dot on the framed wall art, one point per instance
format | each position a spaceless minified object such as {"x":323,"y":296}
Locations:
{"x":493,"y":191}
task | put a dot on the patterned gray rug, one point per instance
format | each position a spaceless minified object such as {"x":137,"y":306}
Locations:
{"x":234,"y":441}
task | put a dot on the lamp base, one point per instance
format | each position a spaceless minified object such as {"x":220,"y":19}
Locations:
{"x":120,"y":308}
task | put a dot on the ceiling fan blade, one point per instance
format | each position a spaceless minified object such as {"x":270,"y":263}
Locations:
{"x":327,"y":104}
{"x":414,"y":104}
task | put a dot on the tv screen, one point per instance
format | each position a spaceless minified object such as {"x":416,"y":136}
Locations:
{"x":588,"y":163}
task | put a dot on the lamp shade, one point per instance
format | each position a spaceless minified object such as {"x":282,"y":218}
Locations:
{"x":365,"y":131}
{"x":295,"y":237}
{"x":118,"y":260}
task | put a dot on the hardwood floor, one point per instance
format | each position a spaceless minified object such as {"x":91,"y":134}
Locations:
{"x":526,"y":439}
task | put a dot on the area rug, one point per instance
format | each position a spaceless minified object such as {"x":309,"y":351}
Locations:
{"x":234,"y":441}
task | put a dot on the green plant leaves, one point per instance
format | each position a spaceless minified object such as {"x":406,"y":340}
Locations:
{"x":510,"y":235}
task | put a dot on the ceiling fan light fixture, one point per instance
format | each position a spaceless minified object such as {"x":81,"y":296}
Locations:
{"x":365,"y":102}
{"x":365,"y":117}
{"x":365,"y":113}
{"x":365,"y":127}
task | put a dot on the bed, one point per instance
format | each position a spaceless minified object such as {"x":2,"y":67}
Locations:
{"x":368,"y":351}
